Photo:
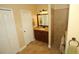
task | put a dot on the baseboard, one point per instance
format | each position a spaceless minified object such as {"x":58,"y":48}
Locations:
{"x":22,"y":48}
{"x":49,"y":46}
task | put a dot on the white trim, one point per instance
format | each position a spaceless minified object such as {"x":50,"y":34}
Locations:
{"x":22,"y":48}
{"x":49,"y":18}
{"x":49,"y":46}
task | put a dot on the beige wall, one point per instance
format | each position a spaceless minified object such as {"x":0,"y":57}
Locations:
{"x":61,"y":6}
{"x":16,"y":11}
{"x":37,"y":9}
{"x":41,"y":6}
{"x":59,"y":23}
{"x":73,"y":24}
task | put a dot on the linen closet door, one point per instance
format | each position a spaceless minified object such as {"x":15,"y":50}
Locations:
{"x":8,"y":35}
{"x":27,"y":27}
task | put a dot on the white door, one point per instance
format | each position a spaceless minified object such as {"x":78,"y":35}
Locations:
{"x":27,"y":26}
{"x":8,"y":35}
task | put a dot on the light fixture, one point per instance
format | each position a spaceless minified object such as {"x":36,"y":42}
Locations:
{"x":43,"y":11}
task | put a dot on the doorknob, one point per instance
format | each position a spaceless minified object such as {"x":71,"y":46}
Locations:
{"x":24,"y":31}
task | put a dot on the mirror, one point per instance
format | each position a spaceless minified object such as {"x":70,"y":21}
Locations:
{"x":42,"y":19}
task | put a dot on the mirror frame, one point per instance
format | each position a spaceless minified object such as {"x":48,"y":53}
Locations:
{"x":38,"y":20}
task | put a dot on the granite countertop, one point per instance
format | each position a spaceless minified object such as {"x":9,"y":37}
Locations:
{"x":41,"y":28}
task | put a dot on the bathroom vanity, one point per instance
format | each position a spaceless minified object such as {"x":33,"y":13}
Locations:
{"x":41,"y":34}
{"x":41,"y":30}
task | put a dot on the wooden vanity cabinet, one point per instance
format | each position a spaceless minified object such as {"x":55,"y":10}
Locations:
{"x":41,"y":35}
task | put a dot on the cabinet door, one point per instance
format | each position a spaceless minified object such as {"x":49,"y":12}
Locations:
{"x":44,"y":36}
{"x":36,"y":34}
{"x":41,"y":36}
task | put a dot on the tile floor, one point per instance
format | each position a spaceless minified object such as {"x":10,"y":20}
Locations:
{"x":37,"y":47}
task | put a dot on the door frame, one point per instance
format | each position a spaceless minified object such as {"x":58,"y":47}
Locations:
{"x":49,"y":26}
